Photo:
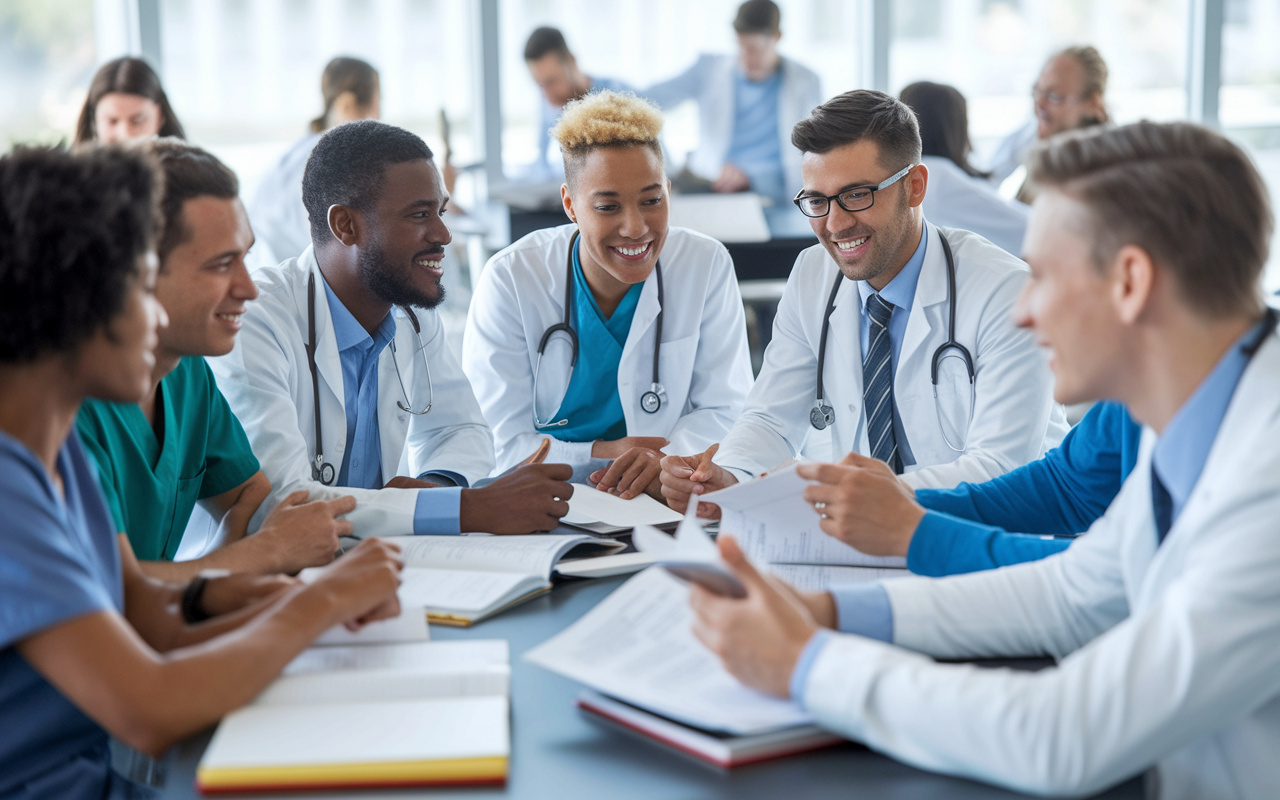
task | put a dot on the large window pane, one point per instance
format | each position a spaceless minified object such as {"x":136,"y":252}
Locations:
{"x":1251,"y":65}
{"x":46,"y":62}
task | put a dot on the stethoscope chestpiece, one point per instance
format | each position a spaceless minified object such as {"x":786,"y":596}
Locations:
{"x":821,"y":415}
{"x":651,"y":400}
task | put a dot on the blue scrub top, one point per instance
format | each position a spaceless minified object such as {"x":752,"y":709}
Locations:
{"x":59,"y":560}
{"x":591,"y":403}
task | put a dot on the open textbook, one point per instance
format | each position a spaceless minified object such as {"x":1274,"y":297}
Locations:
{"x":637,"y":646}
{"x":460,"y":580}
{"x":600,"y":512}
{"x":775,"y":525}
{"x":387,"y":715}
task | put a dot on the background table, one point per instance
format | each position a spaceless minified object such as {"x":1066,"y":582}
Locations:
{"x":559,"y":754}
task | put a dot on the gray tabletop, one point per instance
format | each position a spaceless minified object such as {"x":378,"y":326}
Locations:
{"x":558,"y":753}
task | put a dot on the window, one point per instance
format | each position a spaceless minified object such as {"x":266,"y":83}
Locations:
{"x":47,"y":58}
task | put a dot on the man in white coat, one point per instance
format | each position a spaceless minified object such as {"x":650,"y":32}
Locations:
{"x":1147,"y":245}
{"x":882,"y":379}
{"x":339,"y":382}
{"x":746,"y":107}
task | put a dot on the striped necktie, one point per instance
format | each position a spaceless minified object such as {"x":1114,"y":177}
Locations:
{"x":877,"y":385}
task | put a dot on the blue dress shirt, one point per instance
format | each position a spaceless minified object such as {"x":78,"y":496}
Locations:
{"x":754,"y":147}
{"x":901,"y":292}
{"x":437,"y":510}
{"x":1178,"y":457}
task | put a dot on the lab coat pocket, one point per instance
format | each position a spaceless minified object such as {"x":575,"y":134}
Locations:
{"x":675,"y":371}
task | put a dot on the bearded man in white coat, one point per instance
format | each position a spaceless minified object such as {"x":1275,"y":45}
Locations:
{"x":1147,"y":245}
{"x":893,"y":338}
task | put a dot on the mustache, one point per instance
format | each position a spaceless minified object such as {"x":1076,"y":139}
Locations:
{"x":434,"y":251}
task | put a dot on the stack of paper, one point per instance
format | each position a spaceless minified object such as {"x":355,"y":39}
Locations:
{"x":604,"y":513}
{"x":418,"y":714}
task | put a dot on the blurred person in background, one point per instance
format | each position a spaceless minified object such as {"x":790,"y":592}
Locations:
{"x":351,"y":91}
{"x":959,"y":194}
{"x":126,"y":101}
{"x":556,"y":72}
{"x":1070,"y":93}
{"x":747,"y":106}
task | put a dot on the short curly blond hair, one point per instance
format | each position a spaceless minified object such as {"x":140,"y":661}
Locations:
{"x":605,"y":119}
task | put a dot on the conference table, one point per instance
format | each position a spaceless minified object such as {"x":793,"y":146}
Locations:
{"x":557,"y":753}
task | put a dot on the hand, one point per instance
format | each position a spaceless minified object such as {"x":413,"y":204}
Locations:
{"x":731,"y":179}
{"x":685,"y":476}
{"x":405,"y":482}
{"x":303,"y":534}
{"x":233,"y":592}
{"x":758,"y":638}
{"x":867,"y":506}
{"x":631,"y":473}
{"x":616,"y":447}
{"x":361,"y":586}
{"x":533,"y":498}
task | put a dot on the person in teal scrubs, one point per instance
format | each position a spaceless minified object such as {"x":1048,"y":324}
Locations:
{"x":634,"y":329}
{"x":182,"y":444}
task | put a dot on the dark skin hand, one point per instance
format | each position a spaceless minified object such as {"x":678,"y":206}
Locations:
{"x":532,"y":498}
{"x":635,"y":468}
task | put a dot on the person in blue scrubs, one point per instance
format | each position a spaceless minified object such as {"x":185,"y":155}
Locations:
{"x":78,"y":319}
{"x":617,"y":334}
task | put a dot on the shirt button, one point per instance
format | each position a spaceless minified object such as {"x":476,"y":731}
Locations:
{"x":852,"y":407}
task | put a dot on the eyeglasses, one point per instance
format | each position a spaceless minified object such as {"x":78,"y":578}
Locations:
{"x":859,"y":198}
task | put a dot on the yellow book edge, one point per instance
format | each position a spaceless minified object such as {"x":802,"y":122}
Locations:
{"x":492,"y":769}
{"x":466,"y":622}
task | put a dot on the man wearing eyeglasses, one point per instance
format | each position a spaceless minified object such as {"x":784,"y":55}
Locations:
{"x":1070,"y":93}
{"x":941,"y":402}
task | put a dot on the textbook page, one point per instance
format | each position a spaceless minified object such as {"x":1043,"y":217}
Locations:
{"x":774,"y":524}
{"x":588,"y":505}
{"x":420,"y":670}
{"x":464,"y":593}
{"x":637,"y":645}
{"x":536,"y":554}
{"x":815,"y":578}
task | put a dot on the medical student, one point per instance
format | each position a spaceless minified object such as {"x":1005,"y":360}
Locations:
{"x":341,"y":375}
{"x":893,"y":337}
{"x":182,"y":445}
{"x":351,"y":90}
{"x":1069,"y":94}
{"x":1147,"y":245}
{"x":561,"y":81}
{"x":747,"y":105}
{"x":615,"y":334}
{"x":78,"y":662}
{"x":959,"y":194}
{"x":126,"y":101}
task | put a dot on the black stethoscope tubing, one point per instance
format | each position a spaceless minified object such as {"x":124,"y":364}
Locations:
{"x":651,"y":400}
{"x":822,"y":414}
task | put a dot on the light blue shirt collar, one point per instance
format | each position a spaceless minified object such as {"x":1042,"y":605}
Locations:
{"x":1181,"y":451}
{"x":901,"y":291}
{"x":349,"y":332}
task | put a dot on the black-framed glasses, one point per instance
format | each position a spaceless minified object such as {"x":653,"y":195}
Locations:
{"x":859,"y":198}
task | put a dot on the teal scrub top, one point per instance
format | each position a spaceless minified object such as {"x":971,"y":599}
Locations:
{"x":152,"y":486}
{"x":591,"y":403}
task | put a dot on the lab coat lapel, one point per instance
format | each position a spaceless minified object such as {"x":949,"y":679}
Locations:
{"x":931,"y":290}
{"x":842,"y":378}
{"x":393,"y":422}
{"x":635,"y":366}
{"x":328,"y":363}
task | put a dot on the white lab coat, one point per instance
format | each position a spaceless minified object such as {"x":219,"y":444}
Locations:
{"x":1015,"y":419}
{"x":705,"y":366}
{"x":956,"y":199}
{"x":267,"y":382}
{"x":710,"y":82}
{"x":1169,"y":656}
{"x":279,"y":219}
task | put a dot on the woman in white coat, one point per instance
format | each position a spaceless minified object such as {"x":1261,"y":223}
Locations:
{"x":564,"y":325}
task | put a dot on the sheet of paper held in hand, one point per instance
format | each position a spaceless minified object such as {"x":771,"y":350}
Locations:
{"x":775,"y":525}
{"x":637,"y":646}
{"x":588,"y":505}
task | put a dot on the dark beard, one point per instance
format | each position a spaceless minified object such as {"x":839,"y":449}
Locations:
{"x":390,"y":283}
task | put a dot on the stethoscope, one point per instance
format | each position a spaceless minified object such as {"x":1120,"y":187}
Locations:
{"x":322,"y":470}
{"x":650,"y":401}
{"x":822,"y":415}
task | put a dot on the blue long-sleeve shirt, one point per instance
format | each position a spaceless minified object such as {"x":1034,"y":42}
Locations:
{"x":968,"y":528}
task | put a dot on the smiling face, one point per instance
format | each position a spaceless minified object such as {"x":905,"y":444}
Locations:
{"x":1060,"y":100}
{"x":205,"y":284}
{"x":1068,"y":302}
{"x":116,"y":364}
{"x":619,"y":199}
{"x":402,"y":239}
{"x":120,"y":117}
{"x":873,"y":244}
